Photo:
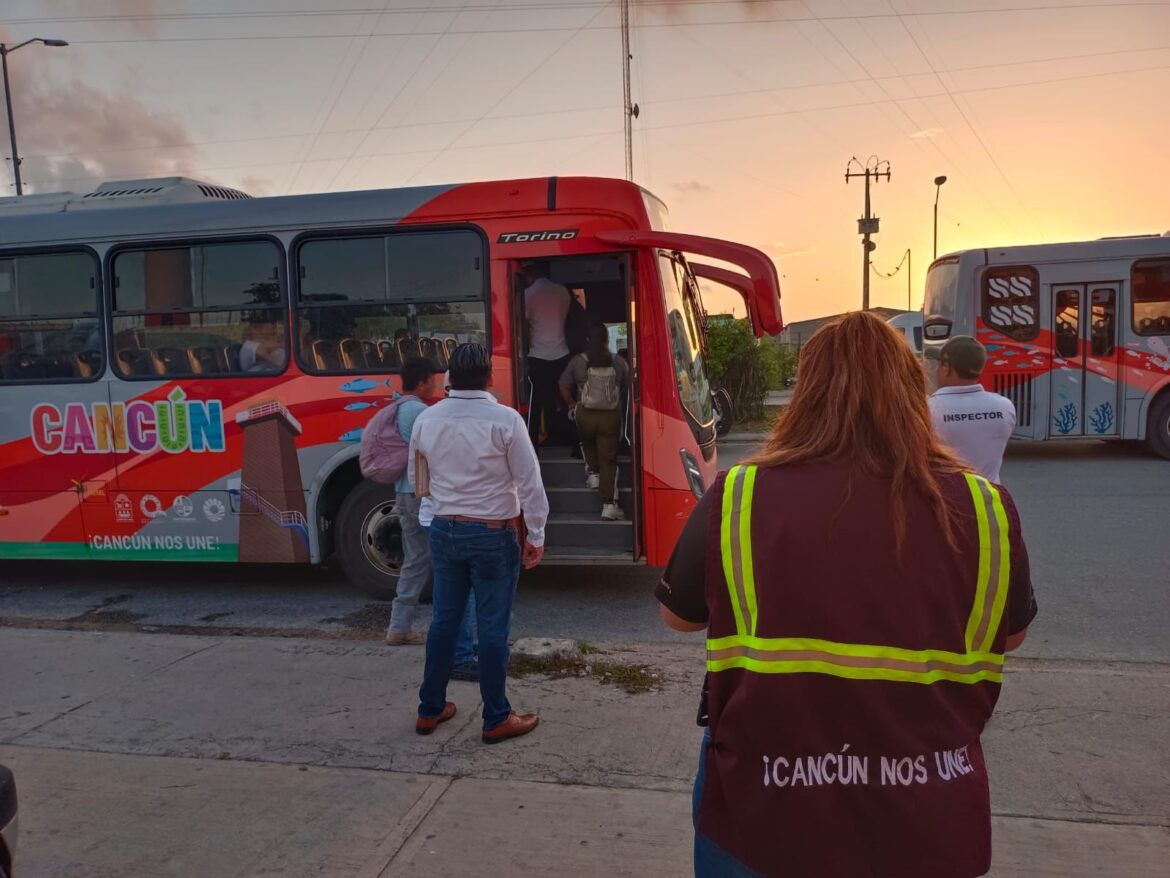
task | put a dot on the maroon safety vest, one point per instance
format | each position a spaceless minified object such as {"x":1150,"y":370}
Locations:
{"x":848,"y":684}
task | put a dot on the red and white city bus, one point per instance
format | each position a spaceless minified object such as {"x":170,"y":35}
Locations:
{"x":185,"y":371}
{"x":1077,"y":335}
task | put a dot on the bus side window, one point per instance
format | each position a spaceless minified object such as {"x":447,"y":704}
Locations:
{"x":50,"y":318}
{"x":1150,"y":283}
{"x":381,"y":299}
{"x":201,"y":309}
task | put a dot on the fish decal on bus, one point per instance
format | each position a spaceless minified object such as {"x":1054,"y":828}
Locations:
{"x":173,"y":425}
{"x":359,"y":385}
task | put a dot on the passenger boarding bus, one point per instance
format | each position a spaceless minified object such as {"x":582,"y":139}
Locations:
{"x":1077,"y":335}
{"x":185,"y":371}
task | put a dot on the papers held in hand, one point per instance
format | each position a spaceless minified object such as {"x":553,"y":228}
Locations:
{"x":422,"y":476}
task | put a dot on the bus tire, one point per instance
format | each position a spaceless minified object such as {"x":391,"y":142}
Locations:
{"x":1158,"y":427}
{"x":368,"y":540}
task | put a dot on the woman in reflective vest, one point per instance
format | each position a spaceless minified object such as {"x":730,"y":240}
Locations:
{"x":859,"y":587}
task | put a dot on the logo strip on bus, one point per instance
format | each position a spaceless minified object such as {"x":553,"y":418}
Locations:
{"x":537,"y":237}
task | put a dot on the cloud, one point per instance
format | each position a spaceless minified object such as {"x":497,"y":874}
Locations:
{"x":691,"y":187}
{"x":927,"y":134}
{"x":73,"y":135}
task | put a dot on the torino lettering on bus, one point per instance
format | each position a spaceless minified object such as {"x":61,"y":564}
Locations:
{"x":173,"y":425}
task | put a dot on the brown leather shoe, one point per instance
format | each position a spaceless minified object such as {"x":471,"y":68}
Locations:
{"x":424,"y":725}
{"x":406,"y":638}
{"x":514,"y":726}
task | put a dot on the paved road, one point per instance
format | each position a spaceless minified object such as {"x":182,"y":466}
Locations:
{"x":1097,"y":520}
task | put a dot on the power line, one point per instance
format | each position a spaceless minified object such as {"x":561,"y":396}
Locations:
{"x":891,"y":100}
{"x":408,"y":152}
{"x":966,"y":119}
{"x":336,"y":99}
{"x":664,"y":25}
{"x":548,"y":57}
{"x":600,"y":107}
{"x":915,"y":126}
{"x":386,"y":109}
{"x":553,"y":7}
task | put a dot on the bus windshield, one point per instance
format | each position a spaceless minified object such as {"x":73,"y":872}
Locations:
{"x":686,"y":345}
{"x":942,"y":286}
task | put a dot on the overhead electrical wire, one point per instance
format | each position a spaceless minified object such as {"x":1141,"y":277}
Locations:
{"x":553,"y":7}
{"x":687,"y":123}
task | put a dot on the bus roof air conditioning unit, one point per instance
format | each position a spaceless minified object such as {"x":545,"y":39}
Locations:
{"x":162,"y":190}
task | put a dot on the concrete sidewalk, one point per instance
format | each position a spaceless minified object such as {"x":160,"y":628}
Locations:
{"x":162,"y":755}
{"x":105,"y":816}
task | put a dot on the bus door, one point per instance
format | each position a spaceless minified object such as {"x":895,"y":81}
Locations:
{"x":601,"y":288}
{"x":1084,"y":397}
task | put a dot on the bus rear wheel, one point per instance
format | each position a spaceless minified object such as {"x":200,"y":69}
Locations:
{"x":368,"y":538}
{"x":1158,"y":428}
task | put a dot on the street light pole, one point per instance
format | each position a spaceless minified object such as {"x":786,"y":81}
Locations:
{"x":5,"y":51}
{"x":938,"y":181}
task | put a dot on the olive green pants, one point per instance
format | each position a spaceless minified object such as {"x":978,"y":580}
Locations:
{"x":601,"y":434}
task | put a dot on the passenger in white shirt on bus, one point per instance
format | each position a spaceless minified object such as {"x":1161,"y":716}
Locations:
{"x":481,"y":474}
{"x":974,"y":422}
{"x":546,"y":308}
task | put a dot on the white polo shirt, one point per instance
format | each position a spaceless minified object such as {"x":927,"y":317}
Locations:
{"x":546,"y":305}
{"x":976,"y":424}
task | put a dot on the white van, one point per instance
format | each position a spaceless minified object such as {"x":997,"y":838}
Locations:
{"x":910,"y":326}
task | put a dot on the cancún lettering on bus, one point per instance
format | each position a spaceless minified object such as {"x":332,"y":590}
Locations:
{"x":174,"y":425}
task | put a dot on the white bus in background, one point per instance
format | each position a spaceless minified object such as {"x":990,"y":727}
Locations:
{"x":910,"y":327}
{"x":1077,"y":335}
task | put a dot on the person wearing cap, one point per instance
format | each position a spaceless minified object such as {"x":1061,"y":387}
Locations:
{"x":474,"y":459}
{"x":974,"y":422}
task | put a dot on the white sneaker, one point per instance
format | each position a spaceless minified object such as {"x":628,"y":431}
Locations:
{"x":593,"y":481}
{"x":612,"y":512}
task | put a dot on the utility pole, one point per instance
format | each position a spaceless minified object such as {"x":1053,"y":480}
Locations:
{"x":868,"y":225}
{"x":629,"y":108}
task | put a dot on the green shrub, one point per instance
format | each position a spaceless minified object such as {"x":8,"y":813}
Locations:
{"x":739,"y":365}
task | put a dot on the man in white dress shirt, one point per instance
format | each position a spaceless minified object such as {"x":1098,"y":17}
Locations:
{"x":974,"y":422}
{"x":481,"y":475}
{"x":546,"y":308}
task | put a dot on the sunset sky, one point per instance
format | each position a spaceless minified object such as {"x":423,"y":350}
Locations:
{"x":1049,"y":118}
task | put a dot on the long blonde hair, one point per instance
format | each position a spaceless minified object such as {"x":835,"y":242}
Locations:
{"x":861,"y":402}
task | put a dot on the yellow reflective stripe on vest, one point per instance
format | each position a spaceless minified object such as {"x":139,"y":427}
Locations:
{"x":859,"y":661}
{"x":796,"y":655}
{"x":994,"y":564}
{"x":736,"y":546}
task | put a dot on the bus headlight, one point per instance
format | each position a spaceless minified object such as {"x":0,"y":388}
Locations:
{"x":693,"y":473}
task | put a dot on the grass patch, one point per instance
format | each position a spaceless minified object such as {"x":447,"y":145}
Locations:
{"x":635,"y":679}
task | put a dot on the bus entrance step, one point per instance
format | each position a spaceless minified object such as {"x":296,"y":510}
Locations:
{"x":582,"y":502}
{"x":569,"y":473}
{"x":589,"y":532}
{"x":565,"y":452}
{"x":554,"y":555}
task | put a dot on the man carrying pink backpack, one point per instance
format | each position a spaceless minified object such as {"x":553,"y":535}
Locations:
{"x":384,"y":455}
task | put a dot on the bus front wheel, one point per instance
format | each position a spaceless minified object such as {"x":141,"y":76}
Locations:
{"x":1158,"y":429}
{"x":368,"y":538}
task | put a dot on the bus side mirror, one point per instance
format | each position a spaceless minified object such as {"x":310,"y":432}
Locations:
{"x":937,"y":328}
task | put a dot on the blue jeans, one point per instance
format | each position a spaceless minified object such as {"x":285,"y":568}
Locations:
{"x":416,"y":564}
{"x":465,"y":642}
{"x":470,"y":557}
{"x":711,"y":861}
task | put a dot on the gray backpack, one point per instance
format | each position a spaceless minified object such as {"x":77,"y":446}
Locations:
{"x":600,"y":392}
